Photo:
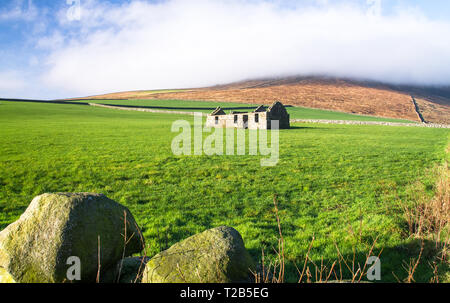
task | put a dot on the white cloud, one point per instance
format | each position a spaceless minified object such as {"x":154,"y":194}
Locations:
{"x":374,"y":7}
{"x":197,"y":43}
{"x":11,"y":81}
{"x":19,"y":10}
{"x":53,"y":41}
{"x":23,"y":84}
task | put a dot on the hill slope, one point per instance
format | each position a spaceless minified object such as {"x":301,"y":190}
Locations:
{"x":358,"y":97}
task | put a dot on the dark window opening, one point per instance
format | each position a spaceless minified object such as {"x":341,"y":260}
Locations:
{"x":245,"y":117}
{"x":256,"y":118}
{"x":217,"y":120}
{"x":235,"y":119}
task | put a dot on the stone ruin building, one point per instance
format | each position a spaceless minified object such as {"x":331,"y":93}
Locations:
{"x":260,"y":118}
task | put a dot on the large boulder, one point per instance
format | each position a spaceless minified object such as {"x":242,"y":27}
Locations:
{"x":217,"y":255}
{"x":37,"y":247}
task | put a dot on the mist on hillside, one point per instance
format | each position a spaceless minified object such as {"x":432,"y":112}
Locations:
{"x":141,"y":45}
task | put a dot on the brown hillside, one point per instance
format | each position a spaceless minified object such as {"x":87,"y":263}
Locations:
{"x":367,"y":98}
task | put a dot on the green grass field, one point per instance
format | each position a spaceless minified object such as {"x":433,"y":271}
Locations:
{"x":295,"y":112}
{"x":340,"y":183}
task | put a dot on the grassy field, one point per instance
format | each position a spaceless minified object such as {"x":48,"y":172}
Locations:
{"x":340,"y":183}
{"x":295,"y":112}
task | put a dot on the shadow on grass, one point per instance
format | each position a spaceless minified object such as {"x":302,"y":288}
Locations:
{"x":308,"y":127}
{"x":396,"y":263}
{"x":299,"y":127}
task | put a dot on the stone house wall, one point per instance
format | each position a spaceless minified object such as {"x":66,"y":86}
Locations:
{"x":258,"y":119}
{"x":237,"y":120}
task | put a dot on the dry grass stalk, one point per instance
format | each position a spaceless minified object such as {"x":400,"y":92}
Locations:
{"x":429,"y":219}
{"x":99,"y":262}
{"x":412,"y":266}
{"x":143,"y":259}
{"x":281,"y":257}
{"x":275,"y":271}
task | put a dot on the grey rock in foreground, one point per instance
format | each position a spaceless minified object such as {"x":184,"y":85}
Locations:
{"x":217,"y":255}
{"x":55,"y":227}
{"x":128,"y":270}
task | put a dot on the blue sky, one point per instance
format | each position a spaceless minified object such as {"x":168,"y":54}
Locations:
{"x":46,"y":51}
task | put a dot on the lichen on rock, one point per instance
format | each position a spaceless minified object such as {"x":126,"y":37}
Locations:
{"x":55,"y":227}
{"x":5,"y":277}
{"x":216,"y":255}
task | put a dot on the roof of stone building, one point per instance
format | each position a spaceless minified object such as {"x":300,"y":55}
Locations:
{"x":260,"y":108}
{"x":276,"y":107}
{"x":218,"y":111}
